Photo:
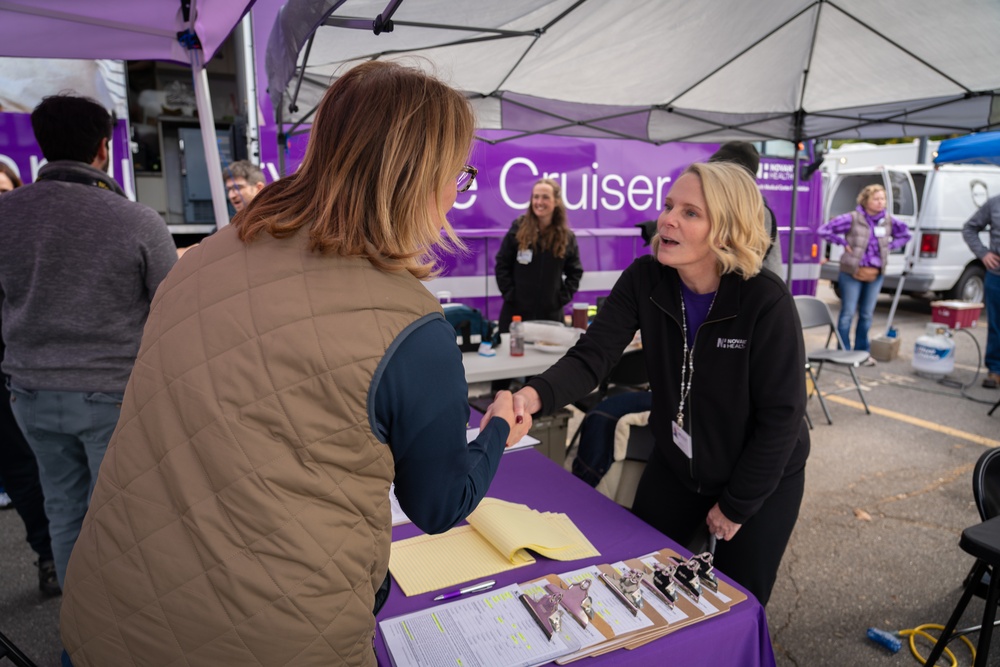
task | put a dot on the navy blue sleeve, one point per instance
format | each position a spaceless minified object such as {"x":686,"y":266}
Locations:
{"x":421,"y":409}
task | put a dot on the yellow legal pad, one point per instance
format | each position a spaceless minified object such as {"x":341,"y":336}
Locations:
{"x":494,"y":541}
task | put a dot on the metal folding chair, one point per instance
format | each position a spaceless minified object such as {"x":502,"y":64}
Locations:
{"x":814,"y":313}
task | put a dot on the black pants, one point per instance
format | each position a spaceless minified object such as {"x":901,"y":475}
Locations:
{"x":20,"y":475}
{"x":752,"y":557}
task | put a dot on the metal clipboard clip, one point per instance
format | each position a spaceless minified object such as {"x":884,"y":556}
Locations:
{"x":545,"y":610}
{"x":575,"y":600}
{"x":686,"y":574}
{"x":661,"y":583}
{"x":706,"y":570}
{"x":626,"y":588}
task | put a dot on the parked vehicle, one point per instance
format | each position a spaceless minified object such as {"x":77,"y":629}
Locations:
{"x":935,"y":202}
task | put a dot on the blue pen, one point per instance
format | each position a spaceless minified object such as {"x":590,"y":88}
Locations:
{"x":485,"y":586}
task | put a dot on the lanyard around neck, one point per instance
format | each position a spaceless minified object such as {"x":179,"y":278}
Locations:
{"x":687,"y":367}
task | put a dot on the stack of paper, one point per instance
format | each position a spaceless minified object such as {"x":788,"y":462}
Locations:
{"x":495,"y":541}
{"x":511,"y":528}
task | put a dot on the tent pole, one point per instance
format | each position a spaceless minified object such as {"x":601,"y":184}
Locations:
{"x":907,"y":260}
{"x":792,"y":216}
{"x":211,"y":143}
{"x":282,"y":140}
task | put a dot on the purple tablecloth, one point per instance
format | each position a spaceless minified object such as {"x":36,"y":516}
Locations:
{"x":738,"y":637}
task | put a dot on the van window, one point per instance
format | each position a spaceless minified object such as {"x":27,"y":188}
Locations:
{"x":845,"y":199}
{"x":902,"y":193}
{"x":780,"y":148}
{"x":919,"y":181}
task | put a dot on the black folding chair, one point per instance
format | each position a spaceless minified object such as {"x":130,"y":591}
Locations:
{"x":11,"y":652}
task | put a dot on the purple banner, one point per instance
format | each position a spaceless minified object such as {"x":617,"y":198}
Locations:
{"x":609,"y":186}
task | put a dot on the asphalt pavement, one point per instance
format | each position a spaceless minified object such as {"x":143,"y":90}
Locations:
{"x":876,"y":545}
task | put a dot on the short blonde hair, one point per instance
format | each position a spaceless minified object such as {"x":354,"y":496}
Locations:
{"x":386,"y":138}
{"x":737,"y":235}
{"x":867,"y":192}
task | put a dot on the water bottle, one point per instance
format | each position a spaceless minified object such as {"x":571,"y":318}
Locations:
{"x":517,"y":337}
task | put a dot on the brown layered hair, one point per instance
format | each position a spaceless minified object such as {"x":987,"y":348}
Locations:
{"x":387,"y":141}
{"x":737,"y":236}
{"x":553,"y":238}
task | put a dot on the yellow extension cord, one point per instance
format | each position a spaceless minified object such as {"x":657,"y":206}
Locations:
{"x":921,"y":631}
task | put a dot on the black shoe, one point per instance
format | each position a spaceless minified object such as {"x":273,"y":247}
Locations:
{"x":48,"y":583}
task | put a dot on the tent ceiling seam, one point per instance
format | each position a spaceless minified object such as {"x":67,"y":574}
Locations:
{"x":809,"y":58}
{"x":900,"y":47}
{"x":735,"y":57}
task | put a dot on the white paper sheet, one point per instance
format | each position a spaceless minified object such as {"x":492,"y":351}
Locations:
{"x":493,"y":629}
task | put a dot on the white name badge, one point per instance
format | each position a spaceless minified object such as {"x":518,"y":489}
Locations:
{"x":879,"y":232}
{"x":524,"y":256}
{"x":682,"y":439}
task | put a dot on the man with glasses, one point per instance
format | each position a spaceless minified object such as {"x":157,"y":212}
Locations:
{"x":243,"y":181}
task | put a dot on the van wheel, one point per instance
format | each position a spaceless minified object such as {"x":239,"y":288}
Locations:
{"x":970,"y":287}
{"x":836,"y":287}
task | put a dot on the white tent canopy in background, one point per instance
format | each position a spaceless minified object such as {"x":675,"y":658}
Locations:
{"x":667,"y":70}
{"x":671,"y":70}
{"x":130,"y":30}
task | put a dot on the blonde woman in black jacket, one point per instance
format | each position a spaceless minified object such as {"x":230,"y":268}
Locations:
{"x":725,"y":358}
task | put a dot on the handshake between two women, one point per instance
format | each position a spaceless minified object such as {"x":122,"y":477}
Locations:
{"x":515,"y":409}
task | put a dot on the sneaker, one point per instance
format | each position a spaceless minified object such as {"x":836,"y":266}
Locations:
{"x":870,"y":361}
{"x":48,"y":583}
{"x":5,"y":502}
{"x":992,"y":380}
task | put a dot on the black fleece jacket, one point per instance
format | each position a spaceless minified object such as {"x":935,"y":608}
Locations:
{"x":746,"y":409}
{"x":539,"y":289}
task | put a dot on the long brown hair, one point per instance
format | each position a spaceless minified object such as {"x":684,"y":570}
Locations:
{"x":386,"y":139}
{"x":553,"y":238}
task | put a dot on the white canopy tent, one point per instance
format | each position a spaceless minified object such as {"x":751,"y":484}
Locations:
{"x":187,"y":31}
{"x":667,"y":70}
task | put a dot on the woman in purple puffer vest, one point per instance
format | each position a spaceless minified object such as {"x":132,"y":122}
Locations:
{"x":868,"y":234}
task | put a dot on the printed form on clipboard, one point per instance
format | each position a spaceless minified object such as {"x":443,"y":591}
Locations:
{"x":399,"y":516}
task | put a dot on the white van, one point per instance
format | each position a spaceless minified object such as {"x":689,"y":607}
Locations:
{"x":935,"y":202}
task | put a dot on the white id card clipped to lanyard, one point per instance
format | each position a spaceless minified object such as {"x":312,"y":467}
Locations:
{"x":681,"y":438}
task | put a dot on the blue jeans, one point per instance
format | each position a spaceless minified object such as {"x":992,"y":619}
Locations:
{"x":597,"y":433}
{"x":992,"y":298}
{"x":859,"y":297}
{"x":69,"y":432}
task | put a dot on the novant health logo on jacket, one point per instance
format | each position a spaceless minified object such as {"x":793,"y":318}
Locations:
{"x":731,"y":343}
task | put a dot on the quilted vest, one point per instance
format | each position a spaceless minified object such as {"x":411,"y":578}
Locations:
{"x":857,"y":240}
{"x":242,"y":513}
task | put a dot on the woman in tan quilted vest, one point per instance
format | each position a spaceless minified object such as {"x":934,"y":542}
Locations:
{"x":242,"y":512}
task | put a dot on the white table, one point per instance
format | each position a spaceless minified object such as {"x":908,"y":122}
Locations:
{"x":502,"y":366}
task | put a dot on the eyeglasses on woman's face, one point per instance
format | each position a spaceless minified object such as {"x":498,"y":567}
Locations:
{"x":466,"y":177}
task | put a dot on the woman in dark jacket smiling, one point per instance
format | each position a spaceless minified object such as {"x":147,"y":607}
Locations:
{"x":725,"y":358}
{"x":538,"y":266}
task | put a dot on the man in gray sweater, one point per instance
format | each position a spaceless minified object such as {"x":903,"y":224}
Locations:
{"x":79,"y":264}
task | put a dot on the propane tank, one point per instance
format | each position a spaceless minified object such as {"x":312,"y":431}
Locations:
{"x":934,"y":352}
